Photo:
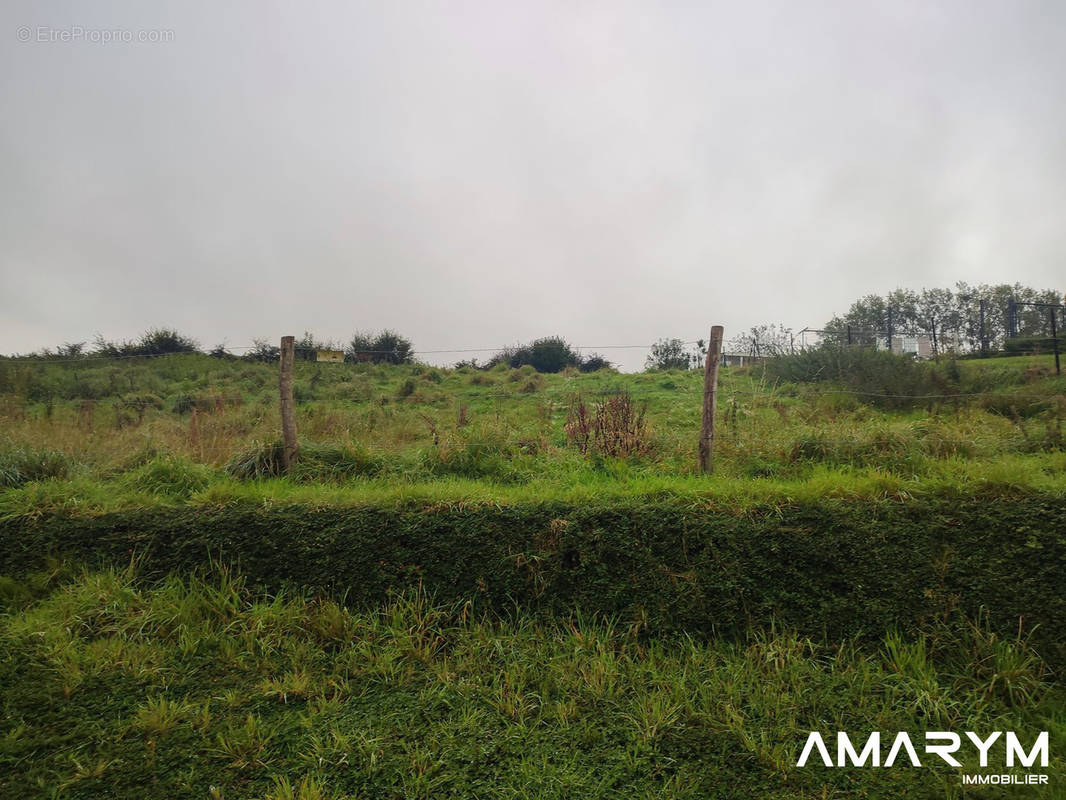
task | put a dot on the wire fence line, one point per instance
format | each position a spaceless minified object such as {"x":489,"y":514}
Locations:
{"x":90,"y":357}
{"x":519,"y":394}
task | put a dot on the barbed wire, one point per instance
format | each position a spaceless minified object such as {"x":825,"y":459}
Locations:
{"x":206,"y":401}
{"x":270,"y":356}
{"x":89,"y":357}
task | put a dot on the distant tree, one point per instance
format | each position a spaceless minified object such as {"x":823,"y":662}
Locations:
{"x":160,"y":341}
{"x":594,"y":362}
{"x":548,"y":354}
{"x":71,"y":350}
{"x":108,"y":349}
{"x":763,"y":340}
{"x":864,"y":322}
{"x":153,"y":342}
{"x":262,"y":350}
{"x":955,"y":315}
{"x":671,"y":354}
{"x":386,"y":347}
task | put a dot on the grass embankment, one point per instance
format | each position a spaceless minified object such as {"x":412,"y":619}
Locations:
{"x":198,"y":688}
{"x":823,"y":567}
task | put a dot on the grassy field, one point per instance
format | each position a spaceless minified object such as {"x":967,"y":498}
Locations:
{"x":198,"y":688}
{"x":194,"y":428}
{"x":194,"y":686}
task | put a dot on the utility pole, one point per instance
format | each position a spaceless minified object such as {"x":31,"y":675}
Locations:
{"x":289,"y":449}
{"x":710,"y":400}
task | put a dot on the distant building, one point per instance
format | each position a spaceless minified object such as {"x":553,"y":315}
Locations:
{"x":919,"y":346}
{"x":740,"y":359}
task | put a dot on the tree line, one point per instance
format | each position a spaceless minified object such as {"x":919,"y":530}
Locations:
{"x":959,"y":319}
{"x":547,"y":354}
{"x":952,"y":316}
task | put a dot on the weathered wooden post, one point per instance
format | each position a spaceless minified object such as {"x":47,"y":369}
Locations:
{"x":1055,"y":340}
{"x":710,"y":400}
{"x":289,"y":449}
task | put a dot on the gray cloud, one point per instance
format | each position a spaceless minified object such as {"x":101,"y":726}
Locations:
{"x":476,"y":174}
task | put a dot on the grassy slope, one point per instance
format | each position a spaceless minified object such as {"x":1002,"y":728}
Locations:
{"x":198,"y":689}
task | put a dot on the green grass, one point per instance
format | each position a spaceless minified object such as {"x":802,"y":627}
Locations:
{"x":198,"y":688}
{"x":416,"y":424}
{"x":154,"y":486}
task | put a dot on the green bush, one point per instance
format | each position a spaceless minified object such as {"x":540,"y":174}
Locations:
{"x":548,"y":354}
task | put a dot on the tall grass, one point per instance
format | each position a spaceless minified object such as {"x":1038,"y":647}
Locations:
{"x":19,"y":465}
{"x":363,"y":424}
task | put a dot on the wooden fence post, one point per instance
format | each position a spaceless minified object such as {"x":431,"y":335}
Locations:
{"x":710,"y":400}
{"x":288,"y":420}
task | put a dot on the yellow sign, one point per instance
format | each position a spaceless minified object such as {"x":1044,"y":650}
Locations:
{"x":336,"y":356}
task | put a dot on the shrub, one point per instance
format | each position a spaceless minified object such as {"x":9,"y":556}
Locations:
{"x":23,"y":465}
{"x":671,"y":354}
{"x":141,"y":401}
{"x":169,"y":476}
{"x":549,"y":354}
{"x":479,"y":452}
{"x":613,"y":427}
{"x":315,"y":462}
{"x":877,"y":377}
{"x":259,"y":461}
{"x":153,"y":342}
{"x":386,"y":347}
{"x":263,"y":351}
{"x":1022,"y":345}
{"x":594,"y":363}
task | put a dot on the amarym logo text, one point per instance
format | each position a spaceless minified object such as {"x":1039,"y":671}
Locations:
{"x":942,"y":744}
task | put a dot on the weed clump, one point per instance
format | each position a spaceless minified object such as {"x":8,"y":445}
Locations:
{"x":170,"y":476}
{"x":316,"y":462}
{"x":614,"y":427}
{"x":23,"y":465}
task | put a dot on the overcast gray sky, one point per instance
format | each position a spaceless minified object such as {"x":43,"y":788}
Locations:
{"x":482,"y":173}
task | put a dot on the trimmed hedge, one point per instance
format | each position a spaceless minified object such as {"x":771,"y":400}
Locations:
{"x":828,"y":568}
